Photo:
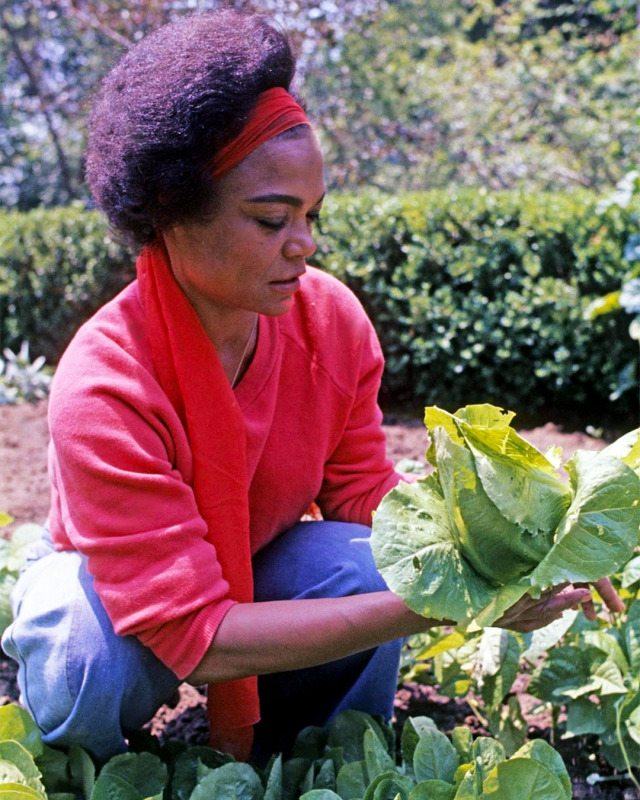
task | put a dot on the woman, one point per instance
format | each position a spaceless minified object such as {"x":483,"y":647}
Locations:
{"x":198,"y":415}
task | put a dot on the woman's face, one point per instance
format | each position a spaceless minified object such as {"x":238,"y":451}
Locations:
{"x":250,"y":253}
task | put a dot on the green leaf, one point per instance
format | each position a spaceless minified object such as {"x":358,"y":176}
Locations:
{"x":326,"y":777}
{"x":487,"y":754}
{"x":185,"y":769}
{"x":433,"y":790}
{"x":347,"y":731}
{"x":508,"y":725}
{"x":7,"y":582}
{"x":352,"y":780}
{"x":273,"y":790}
{"x":543,"y":639}
{"x":600,"y":529}
{"x":584,"y":717}
{"x":521,"y":482}
{"x":54,"y":768}
{"x":21,"y":542}
{"x":499,"y":549}
{"x":609,"y":644}
{"x":143,"y":773}
{"x":388,"y":786}
{"x":376,"y":758}
{"x":16,"y":791}
{"x":434,"y":757}
{"x":566,"y":668}
{"x":309,"y":743}
{"x":603,"y":305}
{"x":631,"y":573}
{"x":233,"y":781}
{"x":18,"y":724}
{"x":113,"y":787}
{"x":544,"y":754}
{"x":15,"y":755}
{"x":462,"y":740}
{"x":320,"y":794}
{"x":467,"y":789}
{"x":449,"y":640}
{"x":523,"y":778}
{"x":296,"y":777}
{"x":632,"y":637}
{"x":499,"y":662}
{"x":627,"y":448}
{"x":82,"y":770}
{"x":492,"y":647}
{"x":412,"y":730}
{"x":606,"y":679}
{"x":444,"y":585}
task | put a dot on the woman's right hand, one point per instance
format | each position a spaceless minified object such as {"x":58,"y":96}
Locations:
{"x":531,"y":613}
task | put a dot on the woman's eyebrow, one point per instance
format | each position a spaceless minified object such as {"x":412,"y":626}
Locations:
{"x":288,"y":199}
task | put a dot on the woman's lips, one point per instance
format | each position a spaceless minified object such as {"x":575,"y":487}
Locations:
{"x":288,"y":285}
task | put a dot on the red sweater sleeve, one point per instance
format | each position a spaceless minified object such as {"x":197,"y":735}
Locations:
{"x":120,"y":467}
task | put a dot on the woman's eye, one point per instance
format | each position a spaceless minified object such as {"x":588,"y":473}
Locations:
{"x":272,"y":224}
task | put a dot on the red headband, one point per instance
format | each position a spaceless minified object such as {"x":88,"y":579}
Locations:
{"x":276,"y":111}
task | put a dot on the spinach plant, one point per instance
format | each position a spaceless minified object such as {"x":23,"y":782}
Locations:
{"x":353,"y":758}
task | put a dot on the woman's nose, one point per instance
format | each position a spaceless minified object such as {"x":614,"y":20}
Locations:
{"x":300,"y":244}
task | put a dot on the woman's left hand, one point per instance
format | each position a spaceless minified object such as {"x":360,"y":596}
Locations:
{"x":530,"y":613}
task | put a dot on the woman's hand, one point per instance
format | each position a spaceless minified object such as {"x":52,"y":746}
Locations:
{"x":609,"y":596}
{"x":530,"y":613}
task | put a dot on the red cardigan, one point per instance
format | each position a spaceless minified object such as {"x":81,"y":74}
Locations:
{"x":121,"y":467}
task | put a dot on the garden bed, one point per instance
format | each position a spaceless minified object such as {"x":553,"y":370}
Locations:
{"x":24,"y":494}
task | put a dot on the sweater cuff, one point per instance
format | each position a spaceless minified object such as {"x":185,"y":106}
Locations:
{"x":182,"y":643}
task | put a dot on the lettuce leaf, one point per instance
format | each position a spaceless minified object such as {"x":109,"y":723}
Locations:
{"x":495,"y":520}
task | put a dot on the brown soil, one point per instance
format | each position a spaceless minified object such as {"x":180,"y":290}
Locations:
{"x":24,"y":494}
{"x":24,"y":485}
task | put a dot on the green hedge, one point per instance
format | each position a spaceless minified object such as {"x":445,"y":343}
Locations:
{"x":57,"y":266}
{"x":477,"y":297}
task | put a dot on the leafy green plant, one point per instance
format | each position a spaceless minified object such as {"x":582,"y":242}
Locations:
{"x":595,"y":675}
{"x":482,"y":668}
{"x":494,"y":520}
{"x":352,"y":758}
{"x":13,"y":556}
{"x":21,"y":379}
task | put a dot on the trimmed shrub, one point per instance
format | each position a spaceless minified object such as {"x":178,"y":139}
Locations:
{"x":477,"y":297}
{"x":57,"y":267}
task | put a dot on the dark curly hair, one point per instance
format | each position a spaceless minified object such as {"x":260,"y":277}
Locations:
{"x":166,"y":108}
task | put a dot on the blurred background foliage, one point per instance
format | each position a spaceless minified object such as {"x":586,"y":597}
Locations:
{"x":408,"y":95}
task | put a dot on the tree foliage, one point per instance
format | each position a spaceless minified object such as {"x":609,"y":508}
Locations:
{"x":410,"y":94}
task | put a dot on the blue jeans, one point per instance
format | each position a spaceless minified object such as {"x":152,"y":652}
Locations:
{"x":86,"y":685}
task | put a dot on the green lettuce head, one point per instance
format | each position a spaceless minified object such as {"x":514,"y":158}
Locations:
{"x":494,"y":519}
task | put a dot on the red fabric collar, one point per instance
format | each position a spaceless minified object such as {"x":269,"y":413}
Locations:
{"x":275,"y":112}
{"x":192,"y":376}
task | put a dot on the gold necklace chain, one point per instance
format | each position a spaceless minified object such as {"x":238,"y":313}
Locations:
{"x":244,"y":352}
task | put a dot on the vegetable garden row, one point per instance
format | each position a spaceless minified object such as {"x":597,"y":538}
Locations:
{"x":493,"y":520}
